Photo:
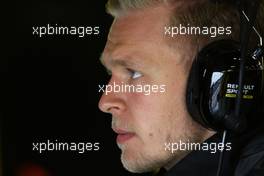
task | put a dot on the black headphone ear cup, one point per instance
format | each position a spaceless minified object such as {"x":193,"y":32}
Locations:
{"x":212,"y":86}
{"x":202,"y":92}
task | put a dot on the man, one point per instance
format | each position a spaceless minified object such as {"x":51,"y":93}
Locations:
{"x":140,"y":51}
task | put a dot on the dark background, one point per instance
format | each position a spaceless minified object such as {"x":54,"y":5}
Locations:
{"x":49,"y":90}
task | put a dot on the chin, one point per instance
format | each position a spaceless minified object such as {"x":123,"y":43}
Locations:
{"x":141,"y":162}
{"x":134,"y":167}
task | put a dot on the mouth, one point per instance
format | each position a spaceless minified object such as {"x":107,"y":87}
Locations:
{"x":123,"y":136}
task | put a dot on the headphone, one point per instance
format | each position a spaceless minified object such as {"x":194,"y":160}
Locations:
{"x":226,"y":80}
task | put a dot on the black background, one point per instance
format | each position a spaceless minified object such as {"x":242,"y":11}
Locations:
{"x":49,"y":90}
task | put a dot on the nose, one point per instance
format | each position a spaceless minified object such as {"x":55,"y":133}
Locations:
{"x":112,"y":102}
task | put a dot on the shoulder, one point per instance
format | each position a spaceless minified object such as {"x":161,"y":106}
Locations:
{"x":251,"y":161}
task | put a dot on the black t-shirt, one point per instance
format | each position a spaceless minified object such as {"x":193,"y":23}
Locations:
{"x":246,"y":158}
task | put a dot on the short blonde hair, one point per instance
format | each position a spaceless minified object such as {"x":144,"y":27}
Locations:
{"x":197,"y":13}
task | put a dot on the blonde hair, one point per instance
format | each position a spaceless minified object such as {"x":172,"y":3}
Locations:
{"x":197,"y":13}
{"x":119,"y":7}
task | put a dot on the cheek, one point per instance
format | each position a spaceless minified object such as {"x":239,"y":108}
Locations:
{"x":146,"y":108}
{"x":151,"y":116}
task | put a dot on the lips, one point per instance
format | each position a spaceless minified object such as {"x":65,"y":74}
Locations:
{"x":123,"y":136}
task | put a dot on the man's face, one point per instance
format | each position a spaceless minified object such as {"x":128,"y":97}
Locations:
{"x":137,"y":53}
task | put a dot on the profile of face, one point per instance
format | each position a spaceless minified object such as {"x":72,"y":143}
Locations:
{"x":137,"y":53}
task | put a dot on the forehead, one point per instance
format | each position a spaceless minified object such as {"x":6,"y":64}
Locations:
{"x":140,"y":25}
{"x":141,"y":34}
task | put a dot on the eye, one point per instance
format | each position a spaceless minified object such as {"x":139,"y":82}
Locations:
{"x":134,"y":74}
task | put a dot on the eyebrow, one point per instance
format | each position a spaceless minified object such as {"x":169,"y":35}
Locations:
{"x":119,"y":62}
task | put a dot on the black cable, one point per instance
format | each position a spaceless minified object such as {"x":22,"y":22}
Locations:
{"x":221,"y":157}
{"x":245,"y":30}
